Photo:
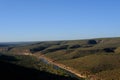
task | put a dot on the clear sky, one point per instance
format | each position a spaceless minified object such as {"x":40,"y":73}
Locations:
{"x":38,"y":20}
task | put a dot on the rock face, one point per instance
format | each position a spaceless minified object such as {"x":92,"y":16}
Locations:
{"x":92,"y":42}
{"x":109,"y":49}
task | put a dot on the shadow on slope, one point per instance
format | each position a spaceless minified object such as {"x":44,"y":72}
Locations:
{"x":15,"y":72}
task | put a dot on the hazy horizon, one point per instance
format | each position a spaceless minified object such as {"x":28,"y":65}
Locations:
{"x":51,"y":20}
{"x":56,"y":40}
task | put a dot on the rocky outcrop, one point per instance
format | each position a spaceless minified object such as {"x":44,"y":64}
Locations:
{"x":109,"y":49}
{"x":92,"y":42}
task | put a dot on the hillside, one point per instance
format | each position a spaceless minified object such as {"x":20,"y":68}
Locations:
{"x":97,"y":59}
{"x":29,"y":68}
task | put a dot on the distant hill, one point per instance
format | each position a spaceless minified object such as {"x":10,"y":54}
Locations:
{"x":91,"y":45}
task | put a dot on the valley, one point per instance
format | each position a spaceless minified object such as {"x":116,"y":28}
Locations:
{"x":91,"y":59}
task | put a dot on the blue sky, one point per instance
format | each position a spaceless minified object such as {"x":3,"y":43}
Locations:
{"x":39,"y":20}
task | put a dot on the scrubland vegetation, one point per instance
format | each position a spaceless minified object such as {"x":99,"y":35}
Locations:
{"x":98,"y":59}
{"x":22,"y":67}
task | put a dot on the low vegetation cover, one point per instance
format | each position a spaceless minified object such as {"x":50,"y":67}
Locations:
{"x":96,"y":65}
{"x":97,"y":59}
{"x":22,"y":67}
